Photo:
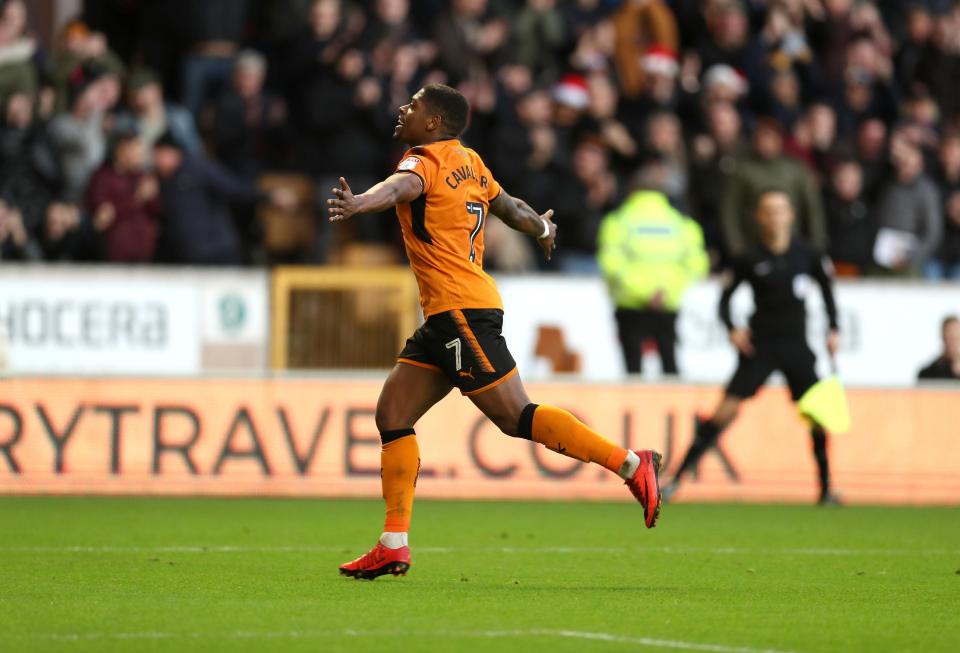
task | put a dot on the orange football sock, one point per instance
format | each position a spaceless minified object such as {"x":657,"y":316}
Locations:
{"x":559,"y":431}
{"x":399,"y":466}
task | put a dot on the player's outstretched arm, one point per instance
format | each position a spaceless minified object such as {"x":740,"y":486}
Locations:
{"x":517,"y":214}
{"x":398,"y":188}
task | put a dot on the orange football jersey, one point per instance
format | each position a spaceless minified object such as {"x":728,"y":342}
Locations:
{"x":443,"y":228}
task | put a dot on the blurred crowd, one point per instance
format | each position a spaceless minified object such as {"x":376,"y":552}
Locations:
{"x":139,"y":136}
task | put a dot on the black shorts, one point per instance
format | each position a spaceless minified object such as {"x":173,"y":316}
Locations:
{"x":792,"y":357}
{"x":467,"y":345}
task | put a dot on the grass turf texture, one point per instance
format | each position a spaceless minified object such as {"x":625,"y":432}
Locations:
{"x":132,"y":575}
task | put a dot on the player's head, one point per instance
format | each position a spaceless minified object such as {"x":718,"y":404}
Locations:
{"x":436,"y":112}
{"x":951,"y":336}
{"x":774,"y":214}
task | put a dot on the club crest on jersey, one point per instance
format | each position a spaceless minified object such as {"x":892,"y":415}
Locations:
{"x":461,"y":174}
{"x":409,"y":163}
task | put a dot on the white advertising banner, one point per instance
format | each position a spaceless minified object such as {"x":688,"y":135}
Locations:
{"x":120,"y":320}
{"x":889,"y":329}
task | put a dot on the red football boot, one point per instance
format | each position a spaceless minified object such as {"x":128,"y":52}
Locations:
{"x":645,"y":485}
{"x":379,"y":561}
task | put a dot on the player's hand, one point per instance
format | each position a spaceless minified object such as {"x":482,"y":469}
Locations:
{"x":344,"y":204}
{"x":548,"y":243}
{"x":741,"y":339}
{"x":833,"y":342}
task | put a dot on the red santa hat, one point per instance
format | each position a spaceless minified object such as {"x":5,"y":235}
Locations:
{"x":660,"y":59}
{"x":725,"y":75}
{"x":572,"y":91}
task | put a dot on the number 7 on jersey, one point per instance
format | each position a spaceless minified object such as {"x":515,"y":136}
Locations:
{"x":475,"y":208}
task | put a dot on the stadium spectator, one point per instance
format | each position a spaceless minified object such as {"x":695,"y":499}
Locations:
{"x":31,"y":175}
{"x":604,"y":99}
{"x":642,"y":27}
{"x":947,"y":364}
{"x":16,"y":243}
{"x":727,"y":39}
{"x":214,"y":31}
{"x":850,"y":221}
{"x":649,"y":253}
{"x":759,"y":170}
{"x":78,"y":135}
{"x":247,"y":128}
{"x":918,"y":42}
{"x":724,"y":85}
{"x":151,"y":115}
{"x":939,"y":68}
{"x":537,"y":34}
{"x":714,"y":159}
{"x":344,"y":128}
{"x":124,"y":202}
{"x":67,"y":234}
{"x":571,"y":99}
{"x":821,"y":121}
{"x":657,"y":92}
{"x":664,"y":142}
{"x":196,"y":193}
{"x":909,"y":217}
{"x":871,"y":151}
{"x":945,"y":264}
{"x":515,"y":137}
{"x":784,"y":102}
{"x":16,"y":125}
{"x":783,"y":61}
{"x":468,"y":36}
{"x":581,"y":199}
{"x":389,"y":28}
{"x":865,"y":90}
{"x":17,"y":50}
{"x":79,"y":45}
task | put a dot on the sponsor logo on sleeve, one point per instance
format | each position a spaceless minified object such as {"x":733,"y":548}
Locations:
{"x":410,"y":163}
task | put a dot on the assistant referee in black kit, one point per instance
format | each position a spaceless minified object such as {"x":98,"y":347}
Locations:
{"x":780,"y":270}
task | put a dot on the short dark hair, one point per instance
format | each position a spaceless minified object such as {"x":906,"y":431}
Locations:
{"x":450,"y":105}
{"x":773,"y":190}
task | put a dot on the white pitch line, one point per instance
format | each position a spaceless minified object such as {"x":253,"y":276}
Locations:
{"x":565,"y":550}
{"x":650,"y":642}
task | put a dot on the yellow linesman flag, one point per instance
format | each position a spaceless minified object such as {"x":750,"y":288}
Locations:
{"x":826,"y":404}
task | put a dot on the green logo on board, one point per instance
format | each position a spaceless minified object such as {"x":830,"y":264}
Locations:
{"x":233,"y":312}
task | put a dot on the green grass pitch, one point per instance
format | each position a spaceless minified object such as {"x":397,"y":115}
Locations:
{"x":261,"y":575}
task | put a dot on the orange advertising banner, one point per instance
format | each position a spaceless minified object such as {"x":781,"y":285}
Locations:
{"x":315,"y":437}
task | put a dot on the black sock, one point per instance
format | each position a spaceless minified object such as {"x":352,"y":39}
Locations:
{"x":820,"y":454}
{"x":704,"y":438}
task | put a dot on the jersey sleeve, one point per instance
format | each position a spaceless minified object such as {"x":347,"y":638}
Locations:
{"x":420,"y":162}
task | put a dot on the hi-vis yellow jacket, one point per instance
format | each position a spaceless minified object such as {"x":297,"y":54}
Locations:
{"x":646,"y":246}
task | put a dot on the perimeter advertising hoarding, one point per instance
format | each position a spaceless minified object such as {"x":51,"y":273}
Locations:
{"x":131,"y":320}
{"x":318,"y":438}
{"x":889,"y":330}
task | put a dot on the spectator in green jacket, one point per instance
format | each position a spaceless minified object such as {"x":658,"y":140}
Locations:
{"x":763,"y":168}
{"x":649,"y":254}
